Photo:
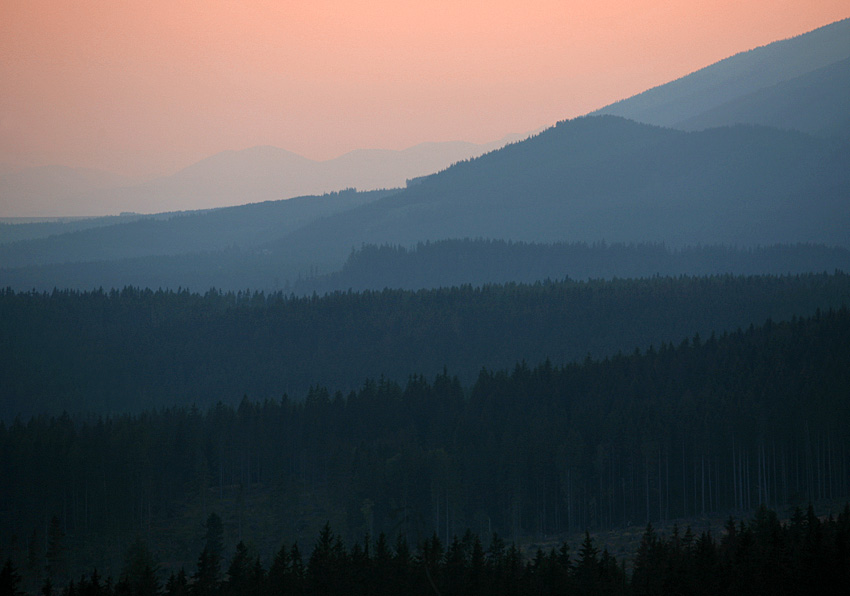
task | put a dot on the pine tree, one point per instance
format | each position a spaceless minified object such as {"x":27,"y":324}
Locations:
{"x":140,"y":569}
{"x":177,"y":585}
{"x":239,"y":572}
{"x":9,"y":580}
{"x":277,"y":581}
{"x":214,"y":537}
{"x":587,"y":572}
{"x":57,"y":562}
{"x":207,"y":578}
{"x":205,"y":581}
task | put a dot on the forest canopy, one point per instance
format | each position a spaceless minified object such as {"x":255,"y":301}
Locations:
{"x":709,"y":424}
{"x":132,"y":349}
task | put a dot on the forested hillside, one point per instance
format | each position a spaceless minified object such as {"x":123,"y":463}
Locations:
{"x":246,"y":226}
{"x":427,"y":265}
{"x":477,"y":262}
{"x":632,"y":319}
{"x":706,"y":424}
{"x":759,"y":556}
{"x":15,"y":230}
{"x":129,"y":350}
{"x":605,"y":178}
{"x":586,"y":180}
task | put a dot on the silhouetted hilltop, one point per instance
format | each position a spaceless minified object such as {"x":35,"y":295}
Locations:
{"x":736,"y":77}
{"x":606,"y":178}
{"x":228,"y":178}
{"x":817,"y":102}
{"x":586,"y":180}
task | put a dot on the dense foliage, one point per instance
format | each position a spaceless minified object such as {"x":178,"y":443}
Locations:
{"x":709,"y":425}
{"x":124,"y":351}
{"x":605,"y":178}
{"x":443,"y":263}
{"x":763,"y":556}
{"x":449,"y":263}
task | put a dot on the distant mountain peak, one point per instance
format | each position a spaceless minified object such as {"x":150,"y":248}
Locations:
{"x":227,"y":178}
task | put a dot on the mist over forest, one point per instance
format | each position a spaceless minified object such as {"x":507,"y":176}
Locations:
{"x":608,"y":358}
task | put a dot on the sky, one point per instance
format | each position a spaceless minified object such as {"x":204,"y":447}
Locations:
{"x":144,"y":88}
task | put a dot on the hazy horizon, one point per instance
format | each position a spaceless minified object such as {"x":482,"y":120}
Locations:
{"x":9,"y":167}
{"x":144,"y":91}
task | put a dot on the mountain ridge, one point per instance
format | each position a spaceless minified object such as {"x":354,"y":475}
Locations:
{"x":605,"y":178}
{"x":815,"y":102}
{"x":740,"y":74}
{"x":234,"y":177}
{"x":591,"y":179}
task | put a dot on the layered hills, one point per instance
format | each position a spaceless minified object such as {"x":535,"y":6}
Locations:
{"x":594,"y":179}
{"x":251,"y":175}
{"x":606,"y":178}
{"x":815,"y":102}
{"x":591,"y":179}
{"x":564,"y":396}
{"x":799,"y":83}
{"x":129,"y":350}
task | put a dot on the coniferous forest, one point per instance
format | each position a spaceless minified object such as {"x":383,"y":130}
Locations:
{"x":610,"y":359}
{"x":128,"y":350}
{"x":706,"y":425}
{"x":758,"y":556}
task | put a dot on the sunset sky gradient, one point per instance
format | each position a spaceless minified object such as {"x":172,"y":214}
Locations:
{"x":145,"y":88}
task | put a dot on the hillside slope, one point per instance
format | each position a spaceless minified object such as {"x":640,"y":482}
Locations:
{"x":736,"y":77}
{"x":605,"y":178}
{"x":587,"y":180}
{"x":817,"y":102}
{"x":134,"y":349}
{"x":244,"y":226}
{"x":228,"y":178}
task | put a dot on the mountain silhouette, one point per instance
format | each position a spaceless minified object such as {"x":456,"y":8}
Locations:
{"x":607,"y":178}
{"x":229,"y":178}
{"x":599,"y":178}
{"x":686,"y":99}
{"x":817,"y":102}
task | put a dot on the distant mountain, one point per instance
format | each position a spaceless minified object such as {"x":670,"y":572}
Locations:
{"x":245,"y":226}
{"x":590,"y":179}
{"x":685,"y":100}
{"x":817,"y":102}
{"x":587,"y":180}
{"x":228,"y":178}
{"x":606,"y":178}
{"x":268,"y":173}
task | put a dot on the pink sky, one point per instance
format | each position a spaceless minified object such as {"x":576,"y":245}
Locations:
{"x":148,"y":87}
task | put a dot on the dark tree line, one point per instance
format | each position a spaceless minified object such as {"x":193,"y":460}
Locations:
{"x":448,"y":263}
{"x":717,"y":424}
{"x":131,"y":350}
{"x":762,"y":556}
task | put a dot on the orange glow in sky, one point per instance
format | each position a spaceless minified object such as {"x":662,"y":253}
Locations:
{"x":145,"y":88}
